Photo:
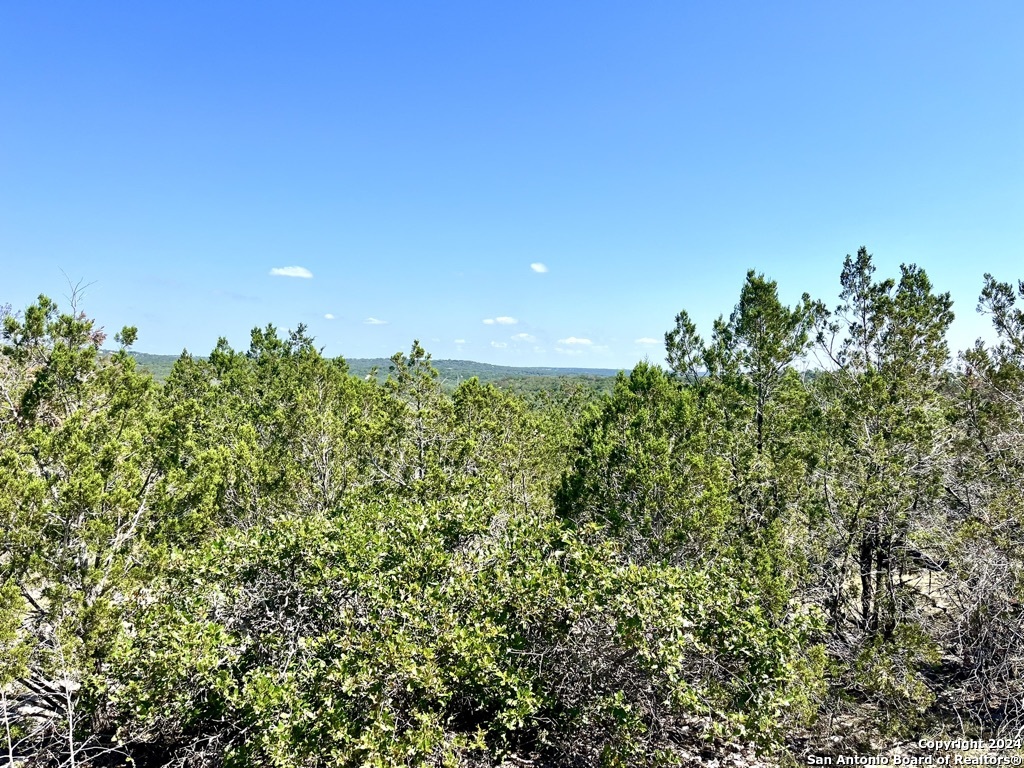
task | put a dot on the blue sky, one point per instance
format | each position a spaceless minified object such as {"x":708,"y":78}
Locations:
{"x":417,"y":158}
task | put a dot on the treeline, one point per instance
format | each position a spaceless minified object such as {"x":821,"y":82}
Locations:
{"x":527,"y":381}
{"x":808,"y":528}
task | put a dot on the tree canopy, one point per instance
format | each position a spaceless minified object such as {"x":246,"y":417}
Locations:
{"x":265,"y":560}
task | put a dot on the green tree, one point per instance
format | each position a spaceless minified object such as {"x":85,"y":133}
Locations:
{"x":750,"y":393}
{"x":983,"y":525}
{"x":77,"y":477}
{"x":643,"y":473}
{"x":753,"y":406}
{"x":882,"y":454}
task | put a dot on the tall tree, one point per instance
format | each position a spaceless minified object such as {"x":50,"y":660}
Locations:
{"x":761,"y":340}
{"x":881,"y":455}
{"x":77,"y":478}
{"x":749,"y":393}
{"x":984,"y":523}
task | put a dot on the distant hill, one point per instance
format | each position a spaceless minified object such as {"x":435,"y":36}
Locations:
{"x":452,"y":372}
{"x":158,"y":365}
{"x":460,"y":370}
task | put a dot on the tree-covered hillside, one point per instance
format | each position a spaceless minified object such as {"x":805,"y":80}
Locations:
{"x":268,"y":558}
{"x":451,"y":373}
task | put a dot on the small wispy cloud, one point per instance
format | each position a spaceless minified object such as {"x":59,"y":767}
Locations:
{"x":291,"y":272}
{"x":328,"y":316}
{"x":489,"y":321}
{"x":539,"y":267}
{"x":574,"y":340}
{"x":499,"y":344}
{"x":374,"y":321}
{"x":459,"y":341}
{"x":647,"y":340}
{"x":524,"y":337}
{"x":504,"y":320}
{"x":564,"y":351}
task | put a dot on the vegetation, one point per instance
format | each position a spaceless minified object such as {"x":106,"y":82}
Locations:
{"x":526,"y":381}
{"x":269,"y":558}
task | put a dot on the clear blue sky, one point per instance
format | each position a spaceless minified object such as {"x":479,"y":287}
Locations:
{"x":417,"y":158}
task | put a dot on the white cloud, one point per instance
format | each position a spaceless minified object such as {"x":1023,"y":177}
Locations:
{"x":647,"y":340}
{"x":499,"y":344}
{"x":524,"y":337}
{"x":564,"y":351}
{"x":374,"y":321}
{"x":291,"y":272}
{"x":489,"y":321}
{"x":574,"y":340}
{"x":538,"y":267}
{"x":459,"y":341}
{"x":505,"y":320}
{"x":328,"y":316}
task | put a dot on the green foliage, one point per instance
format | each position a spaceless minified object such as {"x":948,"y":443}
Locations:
{"x":643,"y":474}
{"x":77,"y":470}
{"x":525,"y":382}
{"x":14,"y":644}
{"x":883,"y":409}
{"x":888,"y":674}
{"x":271,"y":558}
{"x":410,"y":634}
